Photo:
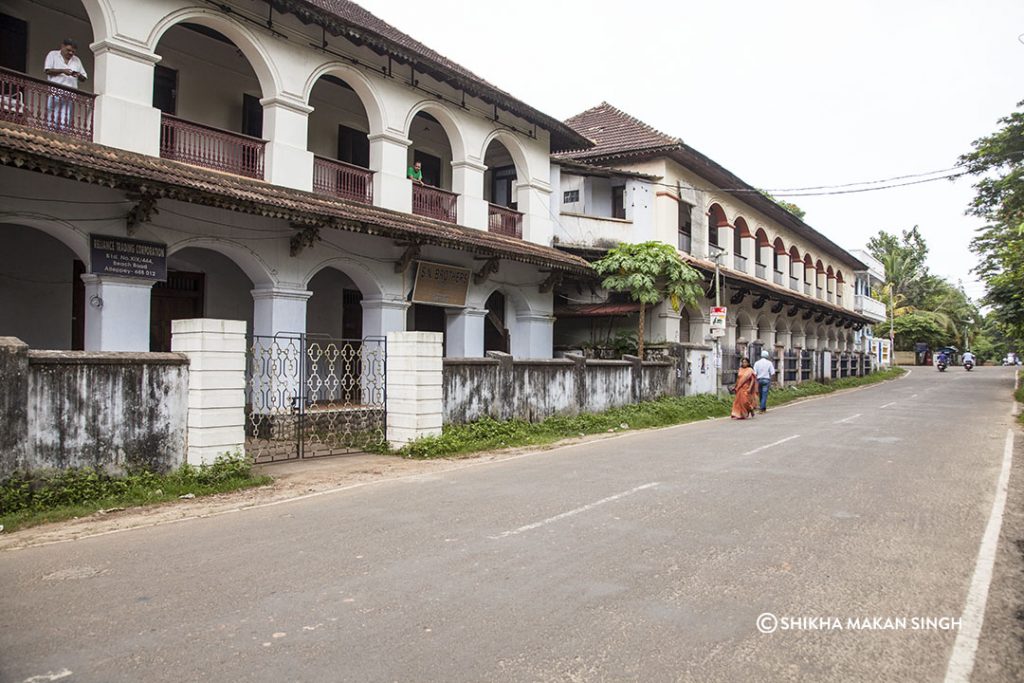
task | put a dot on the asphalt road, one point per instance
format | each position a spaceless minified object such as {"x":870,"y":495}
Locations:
{"x":645,"y":557}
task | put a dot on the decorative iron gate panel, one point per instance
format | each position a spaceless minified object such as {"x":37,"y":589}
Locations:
{"x":312,"y":395}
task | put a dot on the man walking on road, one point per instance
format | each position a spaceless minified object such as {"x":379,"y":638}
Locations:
{"x":764,"y":370}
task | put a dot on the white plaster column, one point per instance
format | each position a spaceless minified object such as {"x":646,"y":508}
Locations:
{"x":534,"y":201}
{"x":811,"y":276}
{"x":286,"y":128}
{"x":830,"y":288}
{"x":664,"y":323}
{"x":811,"y":342}
{"x":533,"y":335}
{"x":820,"y":282}
{"x":766,"y":333}
{"x":730,"y":334}
{"x":389,"y":156}
{"x":124,"y":115}
{"x":700,"y":326}
{"x":725,"y":240}
{"x":748,"y":333}
{"x":216,"y":350}
{"x":797,"y":268}
{"x":116,"y":313}
{"x":279,"y":310}
{"x":468,"y":183}
{"x":784,"y":267}
{"x":748,"y":247}
{"x":767,"y":253}
{"x":383,"y":316}
{"x":465,"y":332}
{"x":798,"y":340}
{"x":415,"y":391}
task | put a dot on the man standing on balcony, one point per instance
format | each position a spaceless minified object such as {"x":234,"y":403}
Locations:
{"x":415,"y":173}
{"x":63,"y":67}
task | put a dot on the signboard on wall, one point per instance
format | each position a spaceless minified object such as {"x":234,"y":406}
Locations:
{"x":127,"y":257}
{"x":440,"y":285}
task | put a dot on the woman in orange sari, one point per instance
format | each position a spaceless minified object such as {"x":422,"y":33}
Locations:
{"x":746,"y":392}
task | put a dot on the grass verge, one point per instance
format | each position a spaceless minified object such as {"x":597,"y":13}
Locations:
{"x":28,"y":500}
{"x":1019,"y":395}
{"x":488,"y":434}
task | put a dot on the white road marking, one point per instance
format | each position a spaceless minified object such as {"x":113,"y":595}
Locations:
{"x":49,"y":676}
{"x":961,"y":661}
{"x":913,"y":396}
{"x":846,"y":419}
{"x":570,"y":513}
{"x":761,"y":448}
{"x":888,"y":404}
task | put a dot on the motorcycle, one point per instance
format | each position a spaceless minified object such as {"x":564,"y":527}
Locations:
{"x":941,"y":365}
{"x":968,"y":365}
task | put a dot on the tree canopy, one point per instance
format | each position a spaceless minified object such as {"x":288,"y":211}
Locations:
{"x":649,"y":272}
{"x":998,"y":161}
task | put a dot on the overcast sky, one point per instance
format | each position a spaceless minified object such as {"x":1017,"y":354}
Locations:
{"x":784,"y":94}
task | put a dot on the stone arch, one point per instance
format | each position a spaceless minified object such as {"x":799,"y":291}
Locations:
{"x":515,"y":149}
{"x":69,"y":235}
{"x":255,"y":268}
{"x":742,"y":229}
{"x":101,"y":18}
{"x":364,"y":89}
{"x":716,"y":216}
{"x":362,"y":276}
{"x":244,"y":39}
{"x":513,"y":297}
{"x":794,"y":254}
{"x":808,"y":260}
{"x":449,"y":122}
{"x":830,"y":274}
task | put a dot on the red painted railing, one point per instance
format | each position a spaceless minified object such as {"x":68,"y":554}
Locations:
{"x":44,"y":105}
{"x":433,"y":202}
{"x":504,"y":221}
{"x":199,"y":145}
{"x":342,"y":180}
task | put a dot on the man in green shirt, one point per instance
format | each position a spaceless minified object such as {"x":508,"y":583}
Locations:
{"x":415,"y":173}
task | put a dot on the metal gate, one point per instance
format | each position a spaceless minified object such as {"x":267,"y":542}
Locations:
{"x":312,"y":395}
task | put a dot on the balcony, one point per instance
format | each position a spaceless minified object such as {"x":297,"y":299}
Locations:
{"x":869,"y":307}
{"x":777,"y":277}
{"x":761,"y":271}
{"x":199,"y":145}
{"x":794,"y":283}
{"x":338,"y":179}
{"x":504,"y":221}
{"x":685,"y":242}
{"x":46,"y":106}
{"x":820,"y":293}
{"x":739,"y":262}
{"x":433,"y":202}
{"x":807,"y":288}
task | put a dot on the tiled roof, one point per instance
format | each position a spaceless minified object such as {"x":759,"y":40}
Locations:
{"x":619,"y":137}
{"x":613,"y":131}
{"x":89,"y":162}
{"x":346,"y":18}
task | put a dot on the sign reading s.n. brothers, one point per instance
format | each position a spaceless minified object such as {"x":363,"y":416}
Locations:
{"x":440,"y":285}
{"x":127,"y":257}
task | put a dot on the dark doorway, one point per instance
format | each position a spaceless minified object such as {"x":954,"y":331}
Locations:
{"x":502,"y":180}
{"x":181,"y":297}
{"x":619,"y":201}
{"x":496,"y":337}
{"x":77,"y":306}
{"x":353,"y":147}
{"x":426,"y":318}
{"x":252,"y":116}
{"x":352,"y":314}
{"x":431,"y":167}
{"x":13,"y":43}
{"x":165,"y":89}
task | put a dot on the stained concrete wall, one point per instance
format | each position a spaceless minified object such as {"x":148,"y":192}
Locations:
{"x":504,"y":388}
{"x":115,"y":411}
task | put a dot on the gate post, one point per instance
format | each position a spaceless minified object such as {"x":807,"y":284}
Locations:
{"x":414,"y":388}
{"x":216,"y":385}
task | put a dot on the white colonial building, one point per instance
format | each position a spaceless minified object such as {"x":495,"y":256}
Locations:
{"x":258,"y":152}
{"x":788,"y":288}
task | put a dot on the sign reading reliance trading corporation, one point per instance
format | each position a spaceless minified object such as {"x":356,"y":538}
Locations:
{"x":440,"y":285}
{"x":127,"y":257}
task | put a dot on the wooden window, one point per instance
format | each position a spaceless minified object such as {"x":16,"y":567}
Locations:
{"x":165,"y":89}
{"x":502,"y":180}
{"x":619,"y":201}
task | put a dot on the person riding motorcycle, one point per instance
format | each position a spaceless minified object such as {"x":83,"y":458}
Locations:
{"x":942,"y":361}
{"x":968,"y":360}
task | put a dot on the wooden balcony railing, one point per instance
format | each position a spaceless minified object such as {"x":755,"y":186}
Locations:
{"x":504,"y":221}
{"x":199,"y":145}
{"x":339,"y":179}
{"x":433,"y":202}
{"x":47,"y":106}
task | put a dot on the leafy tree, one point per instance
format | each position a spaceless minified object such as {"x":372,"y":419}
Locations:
{"x":788,"y":206}
{"x":650,"y":272}
{"x":903,"y":259}
{"x":918,"y":326}
{"x":998,"y":160}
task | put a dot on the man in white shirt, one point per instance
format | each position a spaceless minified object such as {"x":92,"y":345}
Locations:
{"x":968,"y":357}
{"x":764,"y":370}
{"x":63,"y":67}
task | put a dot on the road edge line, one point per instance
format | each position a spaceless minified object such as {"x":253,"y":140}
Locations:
{"x":965,"y":648}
